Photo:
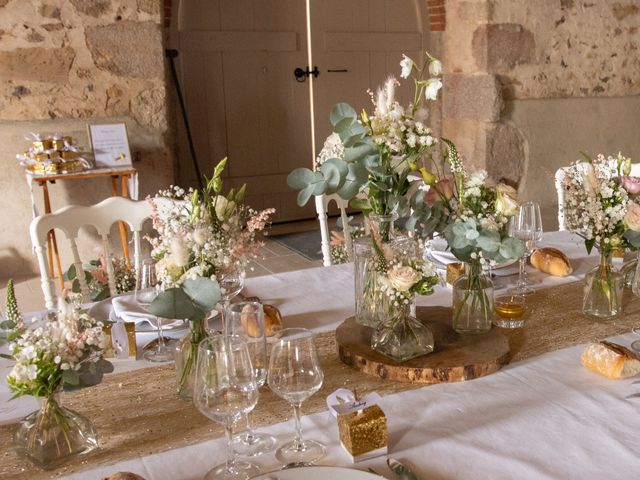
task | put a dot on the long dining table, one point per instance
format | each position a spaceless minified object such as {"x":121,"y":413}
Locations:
{"x":545,"y":417}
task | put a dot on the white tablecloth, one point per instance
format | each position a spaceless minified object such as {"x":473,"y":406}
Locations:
{"x":543,"y":418}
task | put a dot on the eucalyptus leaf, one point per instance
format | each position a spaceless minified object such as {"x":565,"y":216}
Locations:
{"x":488,"y":240}
{"x":354,"y":181}
{"x":341,"y":111}
{"x":173,"y":303}
{"x":633,"y":238}
{"x":203,"y":292}
{"x":301,"y":177}
{"x":304,"y":195}
{"x":359,"y":151}
{"x":352,"y":134}
{"x":71,"y":377}
{"x":332,"y":176}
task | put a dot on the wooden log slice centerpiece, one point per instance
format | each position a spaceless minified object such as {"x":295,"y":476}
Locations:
{"x":454,"y":359}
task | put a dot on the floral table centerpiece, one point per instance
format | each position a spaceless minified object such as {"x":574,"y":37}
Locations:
{"x":601,"y":205}
{"x":369,"y":159}
{"x":201,"y":234}
{"x":97,"y":279}
{"x":402,"y":274}
{"x":473,"y":214}
{"x":63,"y":352}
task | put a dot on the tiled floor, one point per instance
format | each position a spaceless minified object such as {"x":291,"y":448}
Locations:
{"x":274,"y":258}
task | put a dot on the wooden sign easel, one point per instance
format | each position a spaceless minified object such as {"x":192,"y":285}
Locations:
{"x":122,"y":175}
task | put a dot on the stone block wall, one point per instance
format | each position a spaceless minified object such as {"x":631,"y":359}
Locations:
{"x":65,"y":64}
{"x":529,"y":84}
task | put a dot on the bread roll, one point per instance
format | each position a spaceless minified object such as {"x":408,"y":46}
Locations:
{"x":272,"y":320}
{"x":611,"y":360}
{"x":551,"y":261}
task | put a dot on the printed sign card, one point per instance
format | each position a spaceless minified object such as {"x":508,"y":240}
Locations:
{"x":110,"y":145}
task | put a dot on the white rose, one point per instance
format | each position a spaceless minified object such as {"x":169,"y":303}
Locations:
{"x":407,"y":65}
{"x":506,"y":202}
{"x":402,"y":278}
{"x":433,"y":85}
{"x":224,"y":207}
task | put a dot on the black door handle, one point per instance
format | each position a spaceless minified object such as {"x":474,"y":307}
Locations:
{"x":301,"y":75}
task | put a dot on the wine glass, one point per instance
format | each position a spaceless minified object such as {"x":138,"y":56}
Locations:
{"x":231,"y":282}
{"x":225,"y":388}
{"x":246,"y":319}
{"x":295,"y":375}
{"x":527,"y":227}
{"x":144,"y":294}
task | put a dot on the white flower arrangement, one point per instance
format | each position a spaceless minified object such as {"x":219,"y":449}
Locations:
{"x":600,"y":202}
{"x":64,"y":351}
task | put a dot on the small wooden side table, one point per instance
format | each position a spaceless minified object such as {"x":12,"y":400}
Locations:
{"x":122,"y":175}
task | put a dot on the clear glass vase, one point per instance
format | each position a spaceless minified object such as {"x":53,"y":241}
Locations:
{"x":400,"y":336}
{"x":367,"y":292}
{"x":185,"y":356}
{"x":472,"y":301}
{"x":52,"y":435}
{"x":603,"y":288}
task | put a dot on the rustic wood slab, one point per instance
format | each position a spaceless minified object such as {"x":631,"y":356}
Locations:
{"x":455,"y":358}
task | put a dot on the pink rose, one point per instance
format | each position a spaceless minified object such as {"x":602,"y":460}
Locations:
{"x":630,"y":184}
{"x":442,"y":188}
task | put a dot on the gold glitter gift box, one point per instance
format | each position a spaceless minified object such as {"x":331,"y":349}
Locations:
{"x":363,"y":431}
{"x":131,"y":335}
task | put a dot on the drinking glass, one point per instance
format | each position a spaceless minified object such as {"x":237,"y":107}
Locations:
{"x":144,"y":294}
{"x":527,"y":227}
{"x":224,"y":389}
{"x":246,"y":319}
{"x":295,"y":375}
{"x":510,"y":311}
{"x":231,"y":282}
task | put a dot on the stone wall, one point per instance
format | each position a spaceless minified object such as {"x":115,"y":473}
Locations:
{"x":67,"y":63}
{"x":531,"y":83}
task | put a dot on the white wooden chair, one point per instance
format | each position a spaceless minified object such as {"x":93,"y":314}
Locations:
{"x":70,"y":219}
{"x":322,"y":205}
{"x":559,"y":179}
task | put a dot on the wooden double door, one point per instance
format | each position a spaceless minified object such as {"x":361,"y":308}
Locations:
{"x":236,"y":64}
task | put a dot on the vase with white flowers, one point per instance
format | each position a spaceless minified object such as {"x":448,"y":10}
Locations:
{"x":62,"y":352}
{"x":201,"y":235}
{"x":601,"y":205}
{"x":472,"y":212}
{"x":369,"y":160}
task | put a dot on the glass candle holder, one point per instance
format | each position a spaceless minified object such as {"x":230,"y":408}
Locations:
{"x":509,"y":311}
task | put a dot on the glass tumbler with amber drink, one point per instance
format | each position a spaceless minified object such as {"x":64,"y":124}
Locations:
{"x":510,"y":311}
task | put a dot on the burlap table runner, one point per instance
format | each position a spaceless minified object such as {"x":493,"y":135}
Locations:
{"x":137,"y":413}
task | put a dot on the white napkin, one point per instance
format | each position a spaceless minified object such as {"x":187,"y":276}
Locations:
{"x":128,"y":308}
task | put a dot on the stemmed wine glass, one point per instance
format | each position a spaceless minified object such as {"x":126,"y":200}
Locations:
{"x":224,"y":389}
{"x":246,"y":319}
{"x":527,"y":227}
{"x":231,"y":282}
{"x":295,"y":375}
{"x":144,"y":294}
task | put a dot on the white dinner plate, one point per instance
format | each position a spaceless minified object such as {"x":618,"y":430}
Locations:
{"x":438,"y":252}
{"x":318,"y":473}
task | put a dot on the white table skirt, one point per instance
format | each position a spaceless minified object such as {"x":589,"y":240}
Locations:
{"x":542,"y":418}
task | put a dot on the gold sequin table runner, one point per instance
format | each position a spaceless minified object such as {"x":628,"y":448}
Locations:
{"x":137,"y":413}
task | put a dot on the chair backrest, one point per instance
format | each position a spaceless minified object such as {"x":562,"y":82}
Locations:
{"x":322,"y":205}
{"x":70,"y":219}
{"x":560,"y":190}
